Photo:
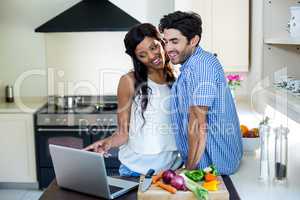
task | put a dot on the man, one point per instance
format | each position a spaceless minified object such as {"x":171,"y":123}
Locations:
{"x":204,"y":115}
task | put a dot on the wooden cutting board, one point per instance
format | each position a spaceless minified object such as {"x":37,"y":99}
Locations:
{"x":156,"y":193}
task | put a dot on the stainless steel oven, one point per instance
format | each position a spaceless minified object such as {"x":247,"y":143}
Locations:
{"x":65,"y":136}
{"x":74,"y":129}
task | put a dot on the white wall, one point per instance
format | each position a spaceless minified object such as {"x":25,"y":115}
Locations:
{"x":85,"y":63}
{"x":146,"y":10}
{"x":21,"y":49}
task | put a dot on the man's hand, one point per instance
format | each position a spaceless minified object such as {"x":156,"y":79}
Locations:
{"x":101,"y":146}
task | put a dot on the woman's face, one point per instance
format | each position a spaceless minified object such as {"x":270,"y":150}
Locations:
{"x":151,"y":53}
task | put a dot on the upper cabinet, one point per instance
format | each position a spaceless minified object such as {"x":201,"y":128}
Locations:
{"x":281,"y":58}
{"x":225,"y":30}
{"x":281,"y":53}
{"x":277,"y":15}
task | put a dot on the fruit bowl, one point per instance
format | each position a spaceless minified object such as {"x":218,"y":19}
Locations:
{"x":250,"y":144}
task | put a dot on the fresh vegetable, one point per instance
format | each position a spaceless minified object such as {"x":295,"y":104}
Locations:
{"x":207,"y":169}
{"x":169,"y":188}
{"x":156,"y":177}
{"x":211,"y":169}
{"x":209,"y":177}
{"x":211,"y":185}
{"x":178,"y":182}
{"x":200,"y":192}
{"x":195,"y":175}
{"x":168,"y":175}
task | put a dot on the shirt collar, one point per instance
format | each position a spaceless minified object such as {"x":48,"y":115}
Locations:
{"x":197,"y":51}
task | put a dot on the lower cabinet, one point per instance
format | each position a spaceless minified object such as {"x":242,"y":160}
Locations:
{"x":17,"y":149}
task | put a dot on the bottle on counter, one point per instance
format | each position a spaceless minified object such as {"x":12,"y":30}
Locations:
{"x":281,"y":153}
{"x":264,"y":131}
{"x":9,"y":94}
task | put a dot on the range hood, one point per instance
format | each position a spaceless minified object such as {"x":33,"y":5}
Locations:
{"x":90,"y":15}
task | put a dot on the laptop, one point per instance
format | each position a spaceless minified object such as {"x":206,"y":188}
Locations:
{"x":84,"y":171}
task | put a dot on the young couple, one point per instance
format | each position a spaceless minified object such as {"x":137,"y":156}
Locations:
{"x":160,"y":115}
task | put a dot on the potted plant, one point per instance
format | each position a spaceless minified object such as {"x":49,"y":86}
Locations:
{"x":234,"y":81}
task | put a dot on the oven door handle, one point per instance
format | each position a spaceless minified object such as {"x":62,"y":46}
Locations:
{"x":61,"y":129}
{"x":104,"y":129}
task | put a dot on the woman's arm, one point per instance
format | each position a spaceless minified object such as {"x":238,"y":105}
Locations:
{"x":125,"y":99}
{"x":125,"y":95}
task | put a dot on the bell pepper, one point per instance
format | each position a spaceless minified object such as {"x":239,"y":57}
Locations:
{"x":211,"y":185}
{"x":209,"y":177}
{"x":195,"y":175}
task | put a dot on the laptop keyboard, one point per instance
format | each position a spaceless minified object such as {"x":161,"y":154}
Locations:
{"x":113,"y":189}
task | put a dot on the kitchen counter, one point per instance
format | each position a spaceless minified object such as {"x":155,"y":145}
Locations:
{"x":23,"y":105}
{"x":246,"y":180}
{"x":249,"y":186}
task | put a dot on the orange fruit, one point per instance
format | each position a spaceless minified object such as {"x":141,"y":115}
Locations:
{"x":255,"y":132}
{"x":244,"y":130}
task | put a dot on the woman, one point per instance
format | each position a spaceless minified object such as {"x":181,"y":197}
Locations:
{"x":144,"y":131}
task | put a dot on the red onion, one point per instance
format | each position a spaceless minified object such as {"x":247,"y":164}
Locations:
{"x":178,"y":182}
{"x":168,"y":175}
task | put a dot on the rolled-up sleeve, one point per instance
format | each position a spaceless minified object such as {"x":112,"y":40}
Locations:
{"x":201,"y":84}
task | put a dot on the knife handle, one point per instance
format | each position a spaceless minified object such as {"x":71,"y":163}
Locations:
{"x":149,"y":173}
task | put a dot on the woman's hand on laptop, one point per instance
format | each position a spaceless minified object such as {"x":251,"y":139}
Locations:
{"x":101,"y":146}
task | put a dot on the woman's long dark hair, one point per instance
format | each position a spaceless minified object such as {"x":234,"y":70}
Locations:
{"x":135,"y":36}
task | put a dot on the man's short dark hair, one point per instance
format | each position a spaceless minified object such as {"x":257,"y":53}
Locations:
{"x":188,"y":23}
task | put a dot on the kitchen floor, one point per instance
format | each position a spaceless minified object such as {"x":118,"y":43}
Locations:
{"x":20,"y":194}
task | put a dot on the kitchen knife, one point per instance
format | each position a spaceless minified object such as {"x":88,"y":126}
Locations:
{"x":147,"y":180}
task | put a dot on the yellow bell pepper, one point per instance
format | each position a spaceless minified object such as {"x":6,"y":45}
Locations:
{"x":211,"y":185}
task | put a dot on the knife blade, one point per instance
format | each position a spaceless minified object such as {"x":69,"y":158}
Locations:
{"x":147,"y":180}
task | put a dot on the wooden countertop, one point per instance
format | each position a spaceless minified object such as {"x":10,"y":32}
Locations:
{"x":53,"y":192}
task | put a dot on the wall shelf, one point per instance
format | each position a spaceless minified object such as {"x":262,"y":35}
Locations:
{"x":282,"y":40}
{"x":284,"y":101}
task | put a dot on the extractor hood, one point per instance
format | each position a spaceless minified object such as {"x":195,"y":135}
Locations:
{"x":90,"y":15}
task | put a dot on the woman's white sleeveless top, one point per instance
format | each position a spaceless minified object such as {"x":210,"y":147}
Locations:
{"x":151,"y":143}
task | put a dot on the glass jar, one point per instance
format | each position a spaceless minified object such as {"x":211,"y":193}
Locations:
{"x":281,"y":153}
{"x":264,"y":131}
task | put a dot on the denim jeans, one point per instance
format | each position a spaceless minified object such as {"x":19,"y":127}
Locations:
{"x":125,"y":171}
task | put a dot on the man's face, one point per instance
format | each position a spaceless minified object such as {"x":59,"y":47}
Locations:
{"x":177,"y":46}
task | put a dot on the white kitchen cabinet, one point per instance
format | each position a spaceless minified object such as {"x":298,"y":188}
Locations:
{"x":225,"y":29}
{"x":281,"y":57}
{"x":17,"y":150}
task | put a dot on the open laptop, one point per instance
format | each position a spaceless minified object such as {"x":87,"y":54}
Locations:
{"x":84,"y":171}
